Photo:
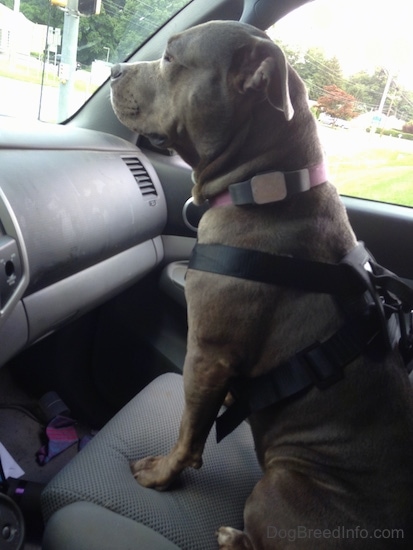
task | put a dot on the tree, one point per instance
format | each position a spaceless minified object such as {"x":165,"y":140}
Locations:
{"x":318,"y":71}
{"x":137,"y":21}
{"x":96,"y":34}
{"x":408,"y":128}
{"x":42,"y":12}
{"x":367,"y":88}
{"x":337,"y":103}
{"x":405,"y":107}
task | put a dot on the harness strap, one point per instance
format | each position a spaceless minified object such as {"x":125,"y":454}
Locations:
{"x":320,"y":365}
{"x":356,"y":274}
{"x":369,"y":294}
{"x":288,"y":271}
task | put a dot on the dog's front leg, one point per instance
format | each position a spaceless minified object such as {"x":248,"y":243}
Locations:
{"x":206,"y":377}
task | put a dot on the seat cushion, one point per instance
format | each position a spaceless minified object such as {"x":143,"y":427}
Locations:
{"x":97,"y":528}
{"x":189,"y":513}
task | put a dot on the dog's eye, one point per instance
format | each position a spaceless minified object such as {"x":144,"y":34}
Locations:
{"x":168,"y":58}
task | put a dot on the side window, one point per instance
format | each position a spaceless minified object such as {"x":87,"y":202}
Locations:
{"x":355,"y":58}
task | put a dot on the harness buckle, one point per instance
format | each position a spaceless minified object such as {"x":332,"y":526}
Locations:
{"x":323,"y":371}
{"x":406,"y":338}
{"x":402,"y":333}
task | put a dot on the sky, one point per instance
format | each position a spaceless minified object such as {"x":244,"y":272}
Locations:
{"x":362,"y":34}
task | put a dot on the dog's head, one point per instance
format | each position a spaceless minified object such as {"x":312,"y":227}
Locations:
{"x":202,"y":97}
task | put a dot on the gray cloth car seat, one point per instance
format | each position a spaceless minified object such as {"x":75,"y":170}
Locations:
{"x":186,"y":516}
{"x":87,"y":526}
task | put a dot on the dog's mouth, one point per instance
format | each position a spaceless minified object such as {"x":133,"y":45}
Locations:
{"x":125,"y":111}
{"x":130,"y":115}
{"x":132,"y":111}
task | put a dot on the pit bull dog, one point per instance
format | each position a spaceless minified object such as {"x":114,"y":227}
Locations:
{"x":337,"y":462}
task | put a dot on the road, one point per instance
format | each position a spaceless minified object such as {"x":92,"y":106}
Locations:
{"x":21,"y":100}
{"x":347,"y":142}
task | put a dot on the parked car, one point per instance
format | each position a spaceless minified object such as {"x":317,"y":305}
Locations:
{"x":324,"y":118}
{"x":96,"y":229}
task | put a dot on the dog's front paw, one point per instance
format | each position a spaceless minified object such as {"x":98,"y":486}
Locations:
{"x":154,"y":472}
{"x":232,"y":539}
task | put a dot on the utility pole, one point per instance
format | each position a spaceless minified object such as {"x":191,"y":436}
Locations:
{"x":385,"y":92}
{"x":16,"y":6}
{"x":67,"y":66}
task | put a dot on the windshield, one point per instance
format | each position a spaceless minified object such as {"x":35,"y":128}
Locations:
{"x":55,"y":53}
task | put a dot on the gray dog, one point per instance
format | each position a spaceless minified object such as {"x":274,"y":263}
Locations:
{"x":337,"y":463}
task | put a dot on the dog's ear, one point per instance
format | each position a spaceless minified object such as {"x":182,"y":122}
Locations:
{"x":266,"y":70}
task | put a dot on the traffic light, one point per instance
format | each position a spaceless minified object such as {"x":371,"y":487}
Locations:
{"x":85,"y":7}
{"x":59,"y":3}
{"x":89,"y":7}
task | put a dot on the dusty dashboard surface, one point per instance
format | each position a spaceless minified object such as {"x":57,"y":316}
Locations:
{"x":81,"y":213}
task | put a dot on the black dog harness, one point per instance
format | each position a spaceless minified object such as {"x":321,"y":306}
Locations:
{"x":377,"y":304}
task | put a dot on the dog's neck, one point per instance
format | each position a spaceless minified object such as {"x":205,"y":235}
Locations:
{"x":271,"y":187}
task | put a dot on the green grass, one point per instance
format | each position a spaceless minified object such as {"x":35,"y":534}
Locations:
{"x":378,"y":174}
{"x":28,"y":74}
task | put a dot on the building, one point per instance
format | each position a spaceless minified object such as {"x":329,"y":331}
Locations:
{"x":377,"y":119}
{"x":18,"y":35}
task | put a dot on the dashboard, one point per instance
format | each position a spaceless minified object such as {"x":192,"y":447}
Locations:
{"x":81,"y":214}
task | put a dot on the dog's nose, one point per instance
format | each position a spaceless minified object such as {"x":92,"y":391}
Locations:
{"x":116,"y":71}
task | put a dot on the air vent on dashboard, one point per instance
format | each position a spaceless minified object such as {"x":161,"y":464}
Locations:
{"x":141,"y":176}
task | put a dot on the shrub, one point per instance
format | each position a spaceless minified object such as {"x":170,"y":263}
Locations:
{"x":408,"y":127}
{"x":393,"y":133}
